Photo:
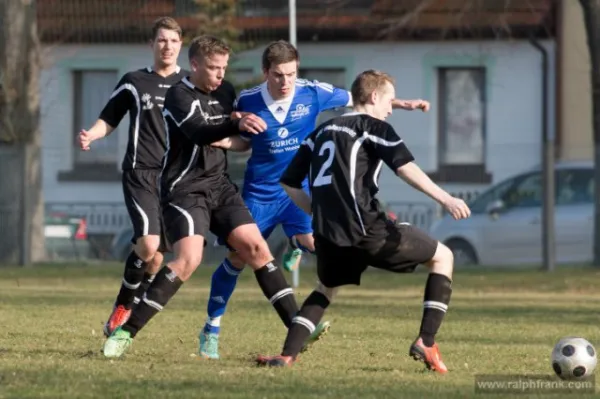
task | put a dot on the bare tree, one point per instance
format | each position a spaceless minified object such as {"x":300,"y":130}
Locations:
{"x":21,"y":202}
{"x":591,"y":16}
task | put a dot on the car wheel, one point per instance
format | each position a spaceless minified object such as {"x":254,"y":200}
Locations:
{"x":463,"y":252}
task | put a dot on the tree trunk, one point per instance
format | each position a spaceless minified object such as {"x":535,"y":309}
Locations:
{"x":21,"y":201}
{"x":591,"y":16}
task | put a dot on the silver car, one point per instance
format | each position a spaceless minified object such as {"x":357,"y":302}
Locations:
{"x":505,"y":225}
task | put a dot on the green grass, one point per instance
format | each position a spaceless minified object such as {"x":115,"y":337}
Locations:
{"x":499,"y":322}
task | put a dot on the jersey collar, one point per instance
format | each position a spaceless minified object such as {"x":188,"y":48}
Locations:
{"x":150,"y":69}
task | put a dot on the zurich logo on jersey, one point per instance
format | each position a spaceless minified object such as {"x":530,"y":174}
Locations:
{"x":283,"y":132}
{"x":285,"y":143}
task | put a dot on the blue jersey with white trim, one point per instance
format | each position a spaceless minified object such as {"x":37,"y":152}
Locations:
{"x":289,"y":121}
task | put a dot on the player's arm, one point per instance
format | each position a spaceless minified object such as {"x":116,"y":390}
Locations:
{"x":393,"y":151}
{"x":413,"y":175}
{"x":120,"y":102}
{"x":294,"y":175}
{"x":239,"y":143}
{"x":410,"y":105}
{"x":98,"y":130}
{"x":334,"y":97}
{"x":233,"y":143}
{"x":187,"y":113}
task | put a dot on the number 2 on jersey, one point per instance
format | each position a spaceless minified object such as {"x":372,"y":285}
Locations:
{"x":321,"y":179}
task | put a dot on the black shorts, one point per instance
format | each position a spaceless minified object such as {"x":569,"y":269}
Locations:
{"x":140,"y":190}
{"x":219,"y":209}
{"x":400,"y":250}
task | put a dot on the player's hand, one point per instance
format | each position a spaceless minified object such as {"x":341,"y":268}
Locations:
{"x":252,"y":124}
{"x":419,"y":104}
{"x":85,"y":138}
{"x":457,"y":208}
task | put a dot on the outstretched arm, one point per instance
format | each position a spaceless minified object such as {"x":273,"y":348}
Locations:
{"x":411,"y":105}
{"x":398,"y":103}
{"x":413,"y":175}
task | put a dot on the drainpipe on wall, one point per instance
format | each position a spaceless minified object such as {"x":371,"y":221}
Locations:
{"x":547,"y":225}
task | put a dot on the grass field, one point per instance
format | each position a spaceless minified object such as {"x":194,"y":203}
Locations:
{"x":498,"y":323}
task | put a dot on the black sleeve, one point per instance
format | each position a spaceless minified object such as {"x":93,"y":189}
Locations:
{"x":122,"y":99}
{"x":186,"y":112}
{"x":299,"y":168}
{"x":389,"y":147}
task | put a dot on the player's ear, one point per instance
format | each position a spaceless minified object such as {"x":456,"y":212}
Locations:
{"x":374,"y":97}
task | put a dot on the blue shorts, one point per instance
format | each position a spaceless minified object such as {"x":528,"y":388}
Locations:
{"x":284,"y":212}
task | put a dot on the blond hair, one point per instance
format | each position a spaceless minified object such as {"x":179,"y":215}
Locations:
{"x":206,"y":46}
{"x":366,"y":83}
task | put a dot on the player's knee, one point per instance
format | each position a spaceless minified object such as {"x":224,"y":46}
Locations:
{"x":443,"y":261}
{"x":328,"y":292}
{"x":255,"y":252}
{"x":305,"y":242}
{"x":185,"y":264}
{"x":146,"y":247}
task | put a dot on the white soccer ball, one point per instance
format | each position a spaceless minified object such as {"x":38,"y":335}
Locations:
{"x":574,"y":358}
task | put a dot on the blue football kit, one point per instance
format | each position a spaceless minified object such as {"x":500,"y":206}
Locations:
{"x":289,"y":121}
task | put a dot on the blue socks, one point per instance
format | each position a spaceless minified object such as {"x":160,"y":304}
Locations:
{"x":223,"y":283}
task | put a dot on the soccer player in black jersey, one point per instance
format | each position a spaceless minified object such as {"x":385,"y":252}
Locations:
{"x":197,"y":194}
{"x":342,"y":159}
{"x":141,"y":93}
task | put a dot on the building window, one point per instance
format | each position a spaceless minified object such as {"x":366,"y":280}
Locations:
{"x":91,"y":91}
{"x":333,"y":76}
{"x":462,"y":126}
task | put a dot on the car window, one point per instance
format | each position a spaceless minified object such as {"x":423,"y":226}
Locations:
{"x":574,"y":186}
{"x":526,"y":193}
{"x":480,"y":204}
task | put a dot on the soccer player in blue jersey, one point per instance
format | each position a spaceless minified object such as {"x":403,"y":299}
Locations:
{"x":290,"y":107}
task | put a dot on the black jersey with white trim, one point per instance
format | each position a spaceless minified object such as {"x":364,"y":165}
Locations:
{"x":343,"y":159}
{"x":194,"y":119}
{"x":142,"y":94}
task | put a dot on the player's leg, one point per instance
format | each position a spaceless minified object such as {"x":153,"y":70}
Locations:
{"x":186,"y":225}
{"x":151,"y":271}
{"x":156,"y":263}
{"x":297,"y":226}
{"x":141,"y":200}
{"x":223,"y":283}
{"x":231,"y":219}
{"x":405,"y":247}
{"x":438,"y":290}
{"x":336,"y":266}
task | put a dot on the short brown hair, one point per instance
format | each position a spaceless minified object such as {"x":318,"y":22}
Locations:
{"x":207,"y":45}
{"x":279,"y":52}
{"x":366,"y":83}
{"x":167,"y":23}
